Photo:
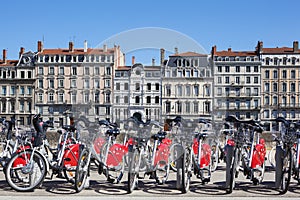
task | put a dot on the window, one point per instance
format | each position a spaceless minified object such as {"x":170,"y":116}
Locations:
{"x":219,"y":91}
{"x":137,"y":99}
{"x":219,"y":79}
{"x":51,"y":83}
{"x":207,"y":107}
{"x":284,"y":74}
{"x":157,"y":86}
{"x":87,"y":71}
{"x":97,"y":83}
{"x":22,"y":90}
{"x":73,"y":83}
{"x":86,"y":97}
{"x":275,"y":100}
{"x":255,"y":91}
{"x":179,"y":73}
{"x":137,"y":86}
{"x":187,"y":107}
{"x":4,"y":90}
{"x":275,"y":74}
{"x":41,"y":70}
{"x":157,"y":99}
{"x":97,"y":71}
{"x":248,"y":92}
{"x":267,"y":87}
{"x":237,"y":80}
{"x":117,"y":99}
{"x":117,"y":86}
{"x":29,"y":74}
{"x":196,"y":107}
{"x":188,"y":90}
{"x":179,"y":90}
{"x":255,"y":79}
{"x":227,"y":90}
{"x":207,"y":90}
{"x":248,"y":68}
{"x":126,"y":86}
{"x":248,"y":79}
{"x":22,"y":74}
{"x":227,"y":69}
{"x":255,"y":68}
{"x":61,"y":83}
{"x":3,"y":107}
{"x":51,"y":70}
{"x":40,"y":97}
{"x":226,"y":79}
{"x":196,"y":73}
{"x":237,"y":92}
{"x":86,"y":83}
{"x":61,"y":70}
{"x":148,"y":86}
{"x":73,"y":98}
{"x":293,"y":74}
{"x":29,"y":90}
{"x":267,"y":74}
{"x":12,"y":90}
{"x":21,"y":106}
{"x":51,"y":97}
{"x":237,"y":69}
{"x":168,"y":107}
{"x":74,"y":70}
{"x":196,"y":90}
{"x":168,"y":90}
{"x":179,"y":107}
{"x":125,"y":99}
{"x":12,"y":106}
{"x":275,"y":87}
{"x":60,"y":97}
{"x":247,"y":104}
{"x":219,"y":68}
{"x":284,"y":88}
{"x":267,"y":100}
{"x":107,"y":83}
{"x":293,"y":87}
{"x":187,"y":73}
{"x":148,"y":99}
{"x":97,"y":97}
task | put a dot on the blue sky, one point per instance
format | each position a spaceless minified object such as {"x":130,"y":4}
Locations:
{"x":235,"y":24}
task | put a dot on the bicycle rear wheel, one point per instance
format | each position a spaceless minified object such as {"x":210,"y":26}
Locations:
{"x":183,"y":171}
{"x":26,"y":170}
{"x":286,"y":171}
{"x":133,"y":170}
{"x":231,"y":162}
{"x":271,"y":157}
{"x":82,"y":170}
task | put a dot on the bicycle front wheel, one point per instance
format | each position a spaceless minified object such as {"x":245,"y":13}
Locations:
{"x":231,"y":166}
{"x":271,"y":157}
{"x":82,"y":170}
{"x":183,"y":171}
{"x":26,"y":170}
{"x":133,"y":170}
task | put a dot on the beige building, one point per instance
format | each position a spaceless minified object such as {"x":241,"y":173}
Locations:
{"x":76,"y":80}
{"x":17,"y":80}
{"x":237,"y":84}
{"x":281,"y":83}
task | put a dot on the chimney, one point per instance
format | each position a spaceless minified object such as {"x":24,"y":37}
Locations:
{"x":259,"y":47}
{"x":162,"y":56}
{"x":229,"y":49}
{"x":22,"y":49}
{"x":153,"y":61}
{"x":40,"y":46}
{"x":214,"y":50}
{"x":85,"y":46}
{"x":295,"y":46}
{"x":104,"y":48}
{"x":176,"y":50}
{"x":4,"y":56}
{"x":71,"y":47}
{"x":132,"y":60}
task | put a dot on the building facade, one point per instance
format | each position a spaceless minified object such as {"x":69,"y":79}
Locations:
{"x":237,"y":84}
{"x":187,"y":84}
{"x":137,"y":91}
{"x":280,"y":81}
{"x":75,"y":81}
{"x":17,"y":78}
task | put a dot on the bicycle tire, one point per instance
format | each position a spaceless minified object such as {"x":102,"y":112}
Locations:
{"x":23,"y":176}
{"x":186,"y":165}
{"x":230,"y":173}
{"x":69,"y":175}
{"x":174,"y":157}
{"x":82,"y":170}
{"x":286,"y":171}
{"x":133,"y":170}
{"x":214,"y":157}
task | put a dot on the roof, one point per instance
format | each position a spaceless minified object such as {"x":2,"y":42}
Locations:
{"x":8,"y":63}
{"x":235,"y":53}
{"x":123,"y":68}
{"x":189,"y":54}
{"x":279,"y":50}
{"x":75,"y":52}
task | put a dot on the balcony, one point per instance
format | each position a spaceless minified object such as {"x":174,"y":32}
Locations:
{"x":289,"y":106}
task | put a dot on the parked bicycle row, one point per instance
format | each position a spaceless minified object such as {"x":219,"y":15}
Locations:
{"x":190,"y":148}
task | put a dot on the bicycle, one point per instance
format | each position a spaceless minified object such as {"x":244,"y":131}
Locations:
{"x":142,"y":156}
{"x":109,"y":155}
{"x":242,"y":147}
{"x":284,"y":156}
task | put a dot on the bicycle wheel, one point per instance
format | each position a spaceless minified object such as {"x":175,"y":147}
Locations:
{"x":174,"y":157}
{"x":82,"y":170}
{"x":286,"y":171}
{"x":183,"y":171}
{"x":271,"y":157}
{"x":231,"y":161}
{"x":26,"y":170}
{"x":70,"y":175}
{"x":133,"y":170}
